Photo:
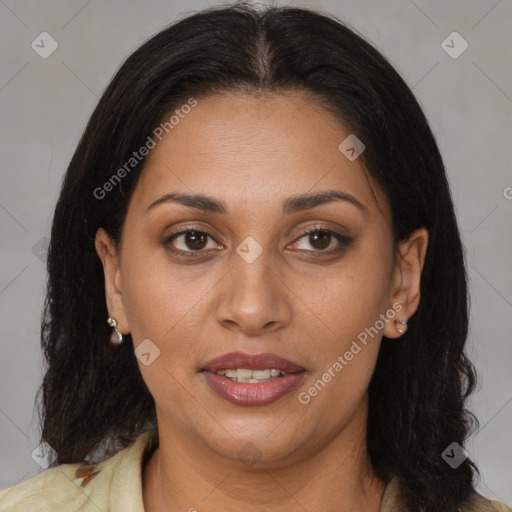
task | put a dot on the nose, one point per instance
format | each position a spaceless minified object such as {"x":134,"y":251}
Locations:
{"x":253,"y":297}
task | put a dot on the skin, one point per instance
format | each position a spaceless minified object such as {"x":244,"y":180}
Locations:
{"x":293,"y":300}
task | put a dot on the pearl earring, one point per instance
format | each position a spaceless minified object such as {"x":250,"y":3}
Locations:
{"x":400,"y":329}
{"x":116,"y":338}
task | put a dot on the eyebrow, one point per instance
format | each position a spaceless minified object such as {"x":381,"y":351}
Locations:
{"x":291,"y":205}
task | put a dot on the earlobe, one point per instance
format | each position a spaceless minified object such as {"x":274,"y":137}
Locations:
{"x":107,"y":252}
{"x":406,"y":280}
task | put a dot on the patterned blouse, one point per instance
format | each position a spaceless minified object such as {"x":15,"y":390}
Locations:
{"x":115,"y":485}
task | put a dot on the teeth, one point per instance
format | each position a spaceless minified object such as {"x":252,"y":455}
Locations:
{"x":245,"y":374}
{"x":251,"y":376}
{"x":260,"y":374}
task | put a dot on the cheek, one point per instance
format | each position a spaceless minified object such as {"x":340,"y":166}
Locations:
{"x":350,"y":299}
{"x":156,"y":308}
{"x":155,"y":294}
{"x":347,"y":351}
{"x":166,"y":305}
{"x":350,"y":305}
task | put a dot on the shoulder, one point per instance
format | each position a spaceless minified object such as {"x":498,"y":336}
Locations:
{"x":394,"y":501}
{"x":477,"y":503}
{"x":79,"y":487}
{"x":56,"y":489}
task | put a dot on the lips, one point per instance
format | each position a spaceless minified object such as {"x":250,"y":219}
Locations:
{"x":263,"y":361}
{"x":252,"y":393}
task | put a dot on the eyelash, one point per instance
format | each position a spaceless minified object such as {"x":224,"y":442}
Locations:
{"x":343,"y":239}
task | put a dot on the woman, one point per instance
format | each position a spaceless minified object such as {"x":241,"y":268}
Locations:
{"x":257,"y":292}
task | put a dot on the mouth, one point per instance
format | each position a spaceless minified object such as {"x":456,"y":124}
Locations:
{"x":252,"y":379}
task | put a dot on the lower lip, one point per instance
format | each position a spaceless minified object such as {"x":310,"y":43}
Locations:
{"x":241,"y":393}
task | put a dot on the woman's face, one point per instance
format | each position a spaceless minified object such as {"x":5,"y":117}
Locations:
{"x":251,"y":279}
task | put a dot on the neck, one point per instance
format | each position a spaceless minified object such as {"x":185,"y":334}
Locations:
{"x":183,"y":474}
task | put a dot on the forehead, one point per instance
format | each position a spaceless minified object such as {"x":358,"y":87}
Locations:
{"x":253,"y":150}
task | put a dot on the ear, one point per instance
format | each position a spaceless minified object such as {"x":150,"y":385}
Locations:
{"x":406,"y":278}
{"x":106,"y":250}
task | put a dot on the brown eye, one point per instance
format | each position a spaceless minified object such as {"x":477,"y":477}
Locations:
{"x":195,"y":240}
{"x":320,"y":239}
{"x":189,"y":242}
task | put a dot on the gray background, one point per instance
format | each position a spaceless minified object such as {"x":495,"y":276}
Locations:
{"x":45,"y":103}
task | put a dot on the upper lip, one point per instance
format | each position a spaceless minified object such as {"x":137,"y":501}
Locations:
{"x":263,"y":361}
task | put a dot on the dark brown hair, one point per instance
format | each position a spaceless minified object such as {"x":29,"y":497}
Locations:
{"x":93,"y":395}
